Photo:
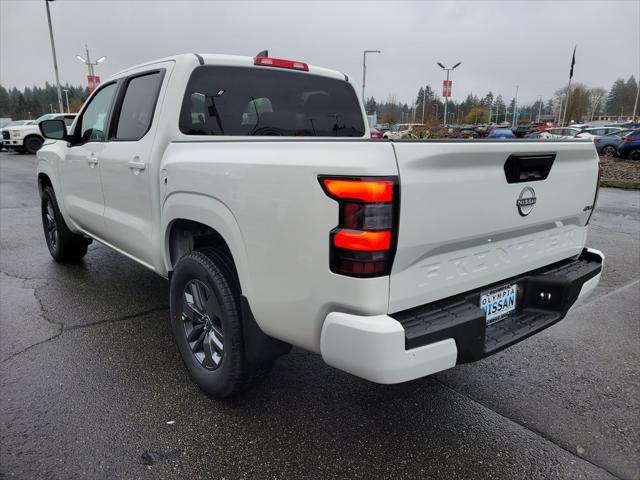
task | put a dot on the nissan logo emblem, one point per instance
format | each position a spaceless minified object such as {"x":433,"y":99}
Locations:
{"x":526,"y":201}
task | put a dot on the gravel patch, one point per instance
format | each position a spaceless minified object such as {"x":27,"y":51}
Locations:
{"x":620,"y":173}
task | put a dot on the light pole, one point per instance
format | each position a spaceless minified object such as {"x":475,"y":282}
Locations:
{"x":635,"y":105}
{"x":540,"y":109}
{"x":66,"y":94}
{"x":364,"y":69}
{"x":89,"y":63}
{"x":515,"y":109}
{"x":446,"y":99}
{"x":53,"y":49}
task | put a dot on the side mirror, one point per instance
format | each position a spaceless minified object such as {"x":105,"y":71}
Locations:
{"x":54,"y":129}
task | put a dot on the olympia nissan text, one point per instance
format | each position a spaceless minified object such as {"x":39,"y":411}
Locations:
{"x":253,"y":186}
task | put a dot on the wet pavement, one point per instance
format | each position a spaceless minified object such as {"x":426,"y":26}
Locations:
{"x":91,"y":384}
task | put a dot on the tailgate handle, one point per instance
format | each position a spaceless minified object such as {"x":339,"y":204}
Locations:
{"x":528,"y":168}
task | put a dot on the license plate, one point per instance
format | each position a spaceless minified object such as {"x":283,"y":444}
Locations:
{"x":498,"y":303}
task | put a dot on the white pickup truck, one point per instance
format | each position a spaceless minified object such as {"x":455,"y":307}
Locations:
{"x":251,"y":184}
{"x":26,"y":138}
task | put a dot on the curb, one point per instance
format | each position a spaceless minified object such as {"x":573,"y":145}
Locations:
{"x":627,"y":185}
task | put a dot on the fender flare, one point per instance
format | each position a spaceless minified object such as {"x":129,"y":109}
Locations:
{"x":45,"y":167}
{"x":213,"y":213}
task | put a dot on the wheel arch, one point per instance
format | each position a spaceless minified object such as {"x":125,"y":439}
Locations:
{"x":44,"y":181}
{"x":192,"y":221}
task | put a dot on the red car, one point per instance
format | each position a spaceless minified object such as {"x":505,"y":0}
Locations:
{"x":376,"y":133}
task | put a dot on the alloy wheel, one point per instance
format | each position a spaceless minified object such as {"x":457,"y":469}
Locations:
{"x":202,"y":324}
{"x":52,"y":227}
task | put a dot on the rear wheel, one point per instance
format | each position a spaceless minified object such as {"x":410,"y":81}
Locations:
{"x":207,"y":325}
{"x":33,"y":144}
{"x":64,"y":245}
{"x":634,"y":154}
{"x":610,"y":151}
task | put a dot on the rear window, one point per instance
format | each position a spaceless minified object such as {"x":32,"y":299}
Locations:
{"x":241,"y":101}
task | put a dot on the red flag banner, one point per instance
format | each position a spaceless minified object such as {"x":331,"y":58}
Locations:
{"x":94,"y":81}
{"x":446,"y":88}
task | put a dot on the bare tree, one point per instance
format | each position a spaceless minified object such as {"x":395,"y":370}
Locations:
{"x":391,"y":110}
{"x":596,"y":97}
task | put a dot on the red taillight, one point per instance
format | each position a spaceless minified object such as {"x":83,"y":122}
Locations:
{"x":281,"y":63}
{"x":363,"y":243}
{"x":629,"y":139}
{"x":359,"y":189}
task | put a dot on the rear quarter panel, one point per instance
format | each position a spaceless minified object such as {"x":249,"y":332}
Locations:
{"x":265,"y":194}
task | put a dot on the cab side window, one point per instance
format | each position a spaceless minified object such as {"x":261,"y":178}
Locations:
{"x":138,"y":106}
{"x":92,"y":124}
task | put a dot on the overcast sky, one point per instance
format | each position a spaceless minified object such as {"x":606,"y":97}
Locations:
{"x":500,"y":44}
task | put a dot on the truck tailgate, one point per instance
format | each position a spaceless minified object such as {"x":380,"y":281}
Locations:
{"x":460,"y":225}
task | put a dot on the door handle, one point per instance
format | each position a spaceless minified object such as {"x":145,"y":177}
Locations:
{"x":92,"y":160}
{"x":135,"y":164}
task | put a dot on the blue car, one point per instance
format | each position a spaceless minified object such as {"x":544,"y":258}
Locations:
{"x":629,"y":147}
{"x":500,"y":133}
{"x":607,"y":145}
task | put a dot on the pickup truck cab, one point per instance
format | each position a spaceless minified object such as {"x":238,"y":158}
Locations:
{"x":27,"y":137}
{"x":252,"y":185}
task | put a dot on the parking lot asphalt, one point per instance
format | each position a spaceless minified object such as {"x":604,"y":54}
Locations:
{"x":91,"y":384}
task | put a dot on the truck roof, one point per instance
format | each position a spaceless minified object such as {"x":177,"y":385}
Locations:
{"x":225,"y":60}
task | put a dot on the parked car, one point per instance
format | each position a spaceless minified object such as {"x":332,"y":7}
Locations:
{"x":375,"y":133}
{"x":599,"y":131}
{"x":629,"y":147}
{"x":12,"y":124}
{"x":27,"y":137}
{"x":559,"y":133}
{"x":368,"y":253}
{"x":522,"y":131}
{"x":607,"y":145}
{"x":501,"y":133}
{"x":400,"y":130}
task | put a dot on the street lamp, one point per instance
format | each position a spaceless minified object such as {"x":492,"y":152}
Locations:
{"x":66,"y":94}
{"x":364,"y":69}
{"x":446,"y":99}
{"x":53,"y":49}
{"x":88,"y":62}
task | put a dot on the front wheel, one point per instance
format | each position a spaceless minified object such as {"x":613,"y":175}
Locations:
{"x":64,"y":245}
{"x":33,"y":144}
{"x":207,"y":325}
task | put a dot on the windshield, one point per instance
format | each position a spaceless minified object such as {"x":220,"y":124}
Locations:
{"x":263,"y":101}
{"x":48,"y":116}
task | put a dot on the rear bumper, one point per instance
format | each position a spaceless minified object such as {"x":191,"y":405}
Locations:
{"x":430,"y":338}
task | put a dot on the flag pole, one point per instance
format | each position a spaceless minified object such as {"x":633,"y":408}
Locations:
{"x":566,"y":103}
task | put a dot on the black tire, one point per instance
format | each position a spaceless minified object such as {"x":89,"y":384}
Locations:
{"x":634,"y":154}
{"x":201,"y":326}
{"x":64,"y":245}
{"x":33,"y":144}
{"x":610,"y":151}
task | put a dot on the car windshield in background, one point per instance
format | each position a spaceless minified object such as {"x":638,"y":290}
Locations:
{"x":239,"y":101}
{"x":47,"y":116}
